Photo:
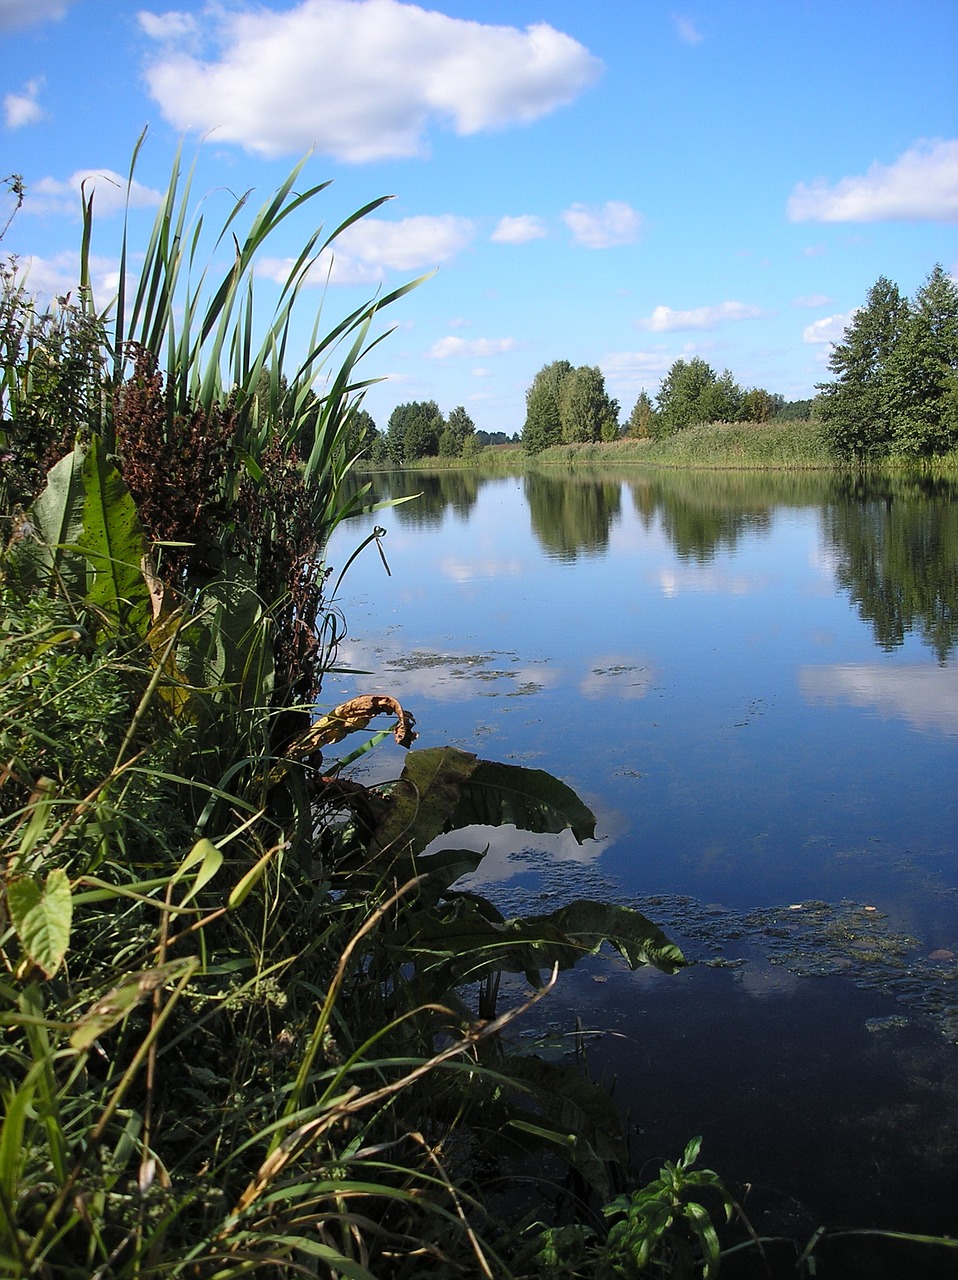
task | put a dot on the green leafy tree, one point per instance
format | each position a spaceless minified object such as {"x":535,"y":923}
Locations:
{"x":682,"y":397}
{"x":641,"y":418}
{"x":587,"y":412}
{"x":856,"y":409}
{"x":922,"y":371}
{"x":413,"y":431}
{"x":459,"y":429}
{"x":722,"y":400}
{"x":759,"y":405}
{"x":543,"y":425}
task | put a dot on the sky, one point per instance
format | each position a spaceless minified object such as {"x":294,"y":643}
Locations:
{"x":620,"y":183}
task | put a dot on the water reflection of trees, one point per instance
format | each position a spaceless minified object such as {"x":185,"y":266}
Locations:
{"x":703,"y":511}
{"x":572,"y":514}
{"x":896,"y":549}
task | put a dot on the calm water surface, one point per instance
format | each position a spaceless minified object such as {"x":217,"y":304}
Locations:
{"x":753,"y":682}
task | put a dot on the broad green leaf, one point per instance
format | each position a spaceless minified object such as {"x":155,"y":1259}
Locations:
{"x":41,"y":917}
{"x":116,"y":1004}
{"x":587,"y":924}
{"x":530,"y":799}
{"x":112,"y":541}
{"x":226,"y":649}
{"x":424,"y":801}
{"x":57,"y":517}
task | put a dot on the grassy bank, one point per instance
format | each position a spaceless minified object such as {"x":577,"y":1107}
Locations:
{"x":719,"y":446}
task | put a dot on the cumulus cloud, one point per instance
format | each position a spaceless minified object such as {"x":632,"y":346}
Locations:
{"x":55,"y":195}
{"x":926,"y":697}
{"x":828,"y":329}
{"x":667,"y":320}
{"x":519,"y":230}
{"x":920,"y":186}
{"x":169,"y":28}
{"x":23,"y":108}
{"x":686,"y":30}
{"x":602,"y":226}
{"x":23,"y":13}
{"x":48,"y":278}
{"x":360,"y":80}
{"x":630,"y":371}
{"x":366,"y":251}
{"x":477,"y":348}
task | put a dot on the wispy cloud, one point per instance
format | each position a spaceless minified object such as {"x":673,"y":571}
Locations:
{"x":360,"y":80}
{"x":603,"y":226}
{"x":630,"y":371}
{"x":686,"y":29}
{"x":24,"y":13}
{"x":364,"y":252}
{"x":519,"y":230}
{"x":54,"y":277}
{"x":812,"y":300}
{"x":109,"y":189}
{"x":920,"y":186}
{"x":23,"y":108}
{"x":668,"y":320}
{"x":476,"y":348}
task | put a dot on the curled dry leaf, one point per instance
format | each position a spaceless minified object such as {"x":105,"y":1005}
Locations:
{"x":351,"y":717}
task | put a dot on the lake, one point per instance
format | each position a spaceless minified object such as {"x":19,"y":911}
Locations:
{"x":752,"y":680}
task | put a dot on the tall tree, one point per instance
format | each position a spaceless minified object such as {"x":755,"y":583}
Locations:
{"x":680,"y":401}
{"x":458,"y":430}
{"x":587,"y":412}
{"x":543,"y":425}
{"x":640,"y":419}
{"x":413,"y":431}
{"x":922,"y":371}
{"x":856,"y":409}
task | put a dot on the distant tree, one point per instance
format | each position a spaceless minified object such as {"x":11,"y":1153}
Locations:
{"x":458,"y":429}
{"x":362,"y":433}
{"x":413,"y":431}
{"x":640,"y":419}
{"x":921,"y":373}
{"x":587,"y":412}
{"x":856,"y":409}
{"x":759,"y":405}
{"x":543,"y":425}
{"x":721,"y":400}
{"x":680,"y":400}
{"x":483,"y":438}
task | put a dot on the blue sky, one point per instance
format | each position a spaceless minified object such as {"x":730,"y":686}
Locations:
{"x":618,"y":183}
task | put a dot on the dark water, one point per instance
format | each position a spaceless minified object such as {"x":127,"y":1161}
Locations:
{"x":753,"y":682}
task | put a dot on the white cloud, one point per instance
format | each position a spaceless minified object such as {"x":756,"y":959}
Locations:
{"x":602,"y":226}
{"x":48,"y":278}
{"x":686,"y":30}
{"x":630,"y":371}
{"x":361,"y":80}
{"x":828,"y":329}
{"x":477,"y":348}
{"x":23,"y":108}
{"x":23,"y":13}
{"x":519,"y":230}
{"x":925,"y":696}
{"x":364,"y":252}
{"x":53,"y":195}
{"x":812,"y":300}
{"x":921,"y":185}
{"x":168,"y":27}
{"x":667,"y":320}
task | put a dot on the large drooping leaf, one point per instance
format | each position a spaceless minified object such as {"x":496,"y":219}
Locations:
{"x":465,"y":937}
{"x":587,"y":924}
{"x":56,"y":520}
{"x":443,"y":789}
{"x":226,"y":649}
{"x":531,"y":799}
{"x":41,"y":916}
{"x":112,"y":540}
